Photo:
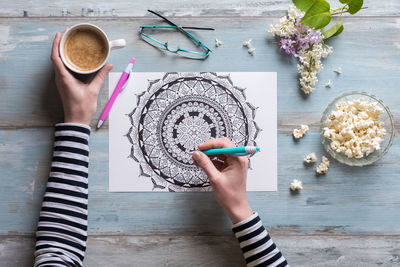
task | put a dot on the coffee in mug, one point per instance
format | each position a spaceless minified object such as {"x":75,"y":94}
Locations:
{"x":85,"y":48}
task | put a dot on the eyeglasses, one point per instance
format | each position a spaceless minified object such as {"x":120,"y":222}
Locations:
{"x":164,"y":46}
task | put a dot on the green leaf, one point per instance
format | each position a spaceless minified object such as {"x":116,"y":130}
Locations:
{"x":354,"y":5}
{"x":336,"y":29}
{"x":303,"y":5}
{"x":317,"y":12}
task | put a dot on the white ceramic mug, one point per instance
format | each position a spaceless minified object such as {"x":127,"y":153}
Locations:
{"x":115,"y":44}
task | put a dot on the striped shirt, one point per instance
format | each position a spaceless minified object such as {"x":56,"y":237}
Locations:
{"x":256,"y":244}
{"x":62,"y":229}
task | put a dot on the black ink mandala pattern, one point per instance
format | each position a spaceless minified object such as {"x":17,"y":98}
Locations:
{"x":180,"y":111}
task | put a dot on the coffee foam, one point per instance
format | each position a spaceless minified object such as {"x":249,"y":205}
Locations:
{"x":85,"y":48}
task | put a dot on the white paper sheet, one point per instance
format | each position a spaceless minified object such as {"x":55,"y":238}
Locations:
{"x":124,"y":171}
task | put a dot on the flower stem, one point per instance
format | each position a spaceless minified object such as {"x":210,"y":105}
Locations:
{"x":344,"y":11}
{"x":337,"y":9}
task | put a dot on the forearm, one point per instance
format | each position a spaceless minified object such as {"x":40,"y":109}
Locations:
{"x":256,"y":244}
{"x":62,"y":229}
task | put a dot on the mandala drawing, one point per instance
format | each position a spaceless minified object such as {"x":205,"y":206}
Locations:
{"x":178,"y":112}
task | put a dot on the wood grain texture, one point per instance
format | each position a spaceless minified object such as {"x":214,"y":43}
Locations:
{"x":209,"y":8}
{"x":335,"y":251}
{"x":367,"y":51}
{"x":345,"y":201}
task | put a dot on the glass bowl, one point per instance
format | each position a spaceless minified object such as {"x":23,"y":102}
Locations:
{"x":386,"y":117}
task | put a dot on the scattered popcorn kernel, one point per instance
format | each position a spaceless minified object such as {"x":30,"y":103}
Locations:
{"x":296,"y":185}
{"x":323,"y":166}
{"x":329,"y":84}
{"x":311,"y":158}
{"x":304,"y":128}
{"x":338,"y":70}
{"x":217,"y":42}
{"x":251,"y":51}
{"x":299,"y":133}
{"x":247,"y":43}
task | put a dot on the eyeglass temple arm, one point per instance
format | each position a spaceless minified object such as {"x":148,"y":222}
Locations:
{"x":173,"y":24}
{"x":197,"y":28}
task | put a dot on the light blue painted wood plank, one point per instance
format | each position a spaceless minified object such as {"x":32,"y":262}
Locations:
{"x":345,"y":201}
{"x":209,"y":8}
{"x":307,"y":251}
{"x":367,"y":51}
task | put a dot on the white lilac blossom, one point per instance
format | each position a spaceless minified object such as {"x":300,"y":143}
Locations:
{"x":217,"y":42}
{"x":304,"y":43}
{"x":247,"y":43}
{"x":296,"y":185}
{"x":251,"y":51}
{"x":338,"y":70}
{"x":329,"y":84}
{"x":354,"y":128}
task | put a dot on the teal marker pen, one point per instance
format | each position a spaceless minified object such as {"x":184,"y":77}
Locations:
{"x":234,"y":151}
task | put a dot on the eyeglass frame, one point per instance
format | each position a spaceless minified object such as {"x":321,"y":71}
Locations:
{"x":180,"y":28}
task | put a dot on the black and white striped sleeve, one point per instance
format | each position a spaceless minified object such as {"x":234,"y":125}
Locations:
{"x":62,"y":229}
{"x":256,"y":244}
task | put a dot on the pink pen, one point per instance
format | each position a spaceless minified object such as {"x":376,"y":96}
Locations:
{"x":120,"y":85}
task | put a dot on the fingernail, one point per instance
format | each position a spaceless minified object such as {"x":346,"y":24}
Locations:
{"x":196,"y":156}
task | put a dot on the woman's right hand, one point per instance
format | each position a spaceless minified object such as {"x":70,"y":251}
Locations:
{"x":228,"y":177}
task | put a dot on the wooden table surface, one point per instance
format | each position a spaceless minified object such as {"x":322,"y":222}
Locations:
{"x":349,"y":217}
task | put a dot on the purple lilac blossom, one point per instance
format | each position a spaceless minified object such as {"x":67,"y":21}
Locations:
{"x":301,"y":27}
{"x":301,"y":40}
{"x":311,"y":37}
{"x":287,"y":44}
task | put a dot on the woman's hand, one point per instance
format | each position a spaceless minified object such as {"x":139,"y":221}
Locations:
{"x":228,"y":178}
{"x":79,"y":99}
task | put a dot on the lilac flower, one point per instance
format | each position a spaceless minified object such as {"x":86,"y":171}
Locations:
{"x":304,"y":38}
{"x":313,"y":36}
{"x":304,"y":43}
{"x":301,"y":27}
{"x":308,"y":38}
{"x":288,"y":45}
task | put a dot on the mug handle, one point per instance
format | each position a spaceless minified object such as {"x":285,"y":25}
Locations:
{"x":117,"y":44}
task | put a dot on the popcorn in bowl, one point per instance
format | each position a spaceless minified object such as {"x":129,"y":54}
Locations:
{"x":354,"y":128}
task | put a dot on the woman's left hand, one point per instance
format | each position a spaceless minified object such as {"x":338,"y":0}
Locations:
{"x":79,"y":99}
